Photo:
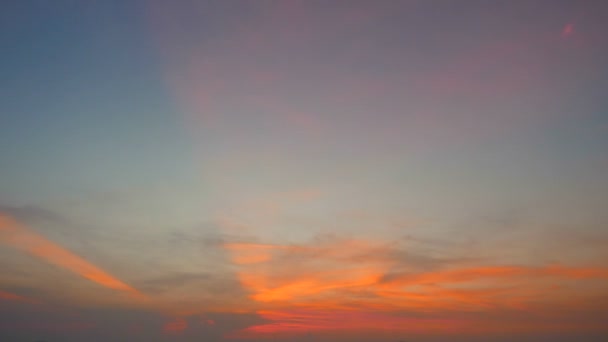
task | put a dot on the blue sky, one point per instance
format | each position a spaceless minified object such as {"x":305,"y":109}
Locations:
{"x":84,"y":92}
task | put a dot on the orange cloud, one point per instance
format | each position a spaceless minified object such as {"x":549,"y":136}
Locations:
{"x":321,"y":282}
{"x":482,"y":288}
{"x":319,"y":269}
{"x":337,"y":285}
{"x":19,"y":236}
{"x":306,"y":321}
{"x":499,"y":272}
{"x":13,"y":297}
{"x":250,"y":253}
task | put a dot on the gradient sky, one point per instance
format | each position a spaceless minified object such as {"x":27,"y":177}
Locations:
{"x":420,"y":170}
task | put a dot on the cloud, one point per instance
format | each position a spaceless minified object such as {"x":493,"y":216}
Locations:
{"x":306,"y":321}
{"x":14,"y":297}
{"x":249,"y":253}
{"x":33,"y":213}
{"x":173,"y":280}
{"x":272,"y":276}
{"x":315,"y":286}
{"x":175,"y":326}
{"x":501,"y":272}
{"x":20,"y":237}
{"x":65,"y":322}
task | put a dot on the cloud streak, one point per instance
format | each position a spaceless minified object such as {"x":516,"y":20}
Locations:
{"x":8,"y":296}
{"x":16,"y":235}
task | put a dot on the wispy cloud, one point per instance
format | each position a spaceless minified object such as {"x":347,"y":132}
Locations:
{"x":14,"y":297}
{"x":348,"y":278}
{"x":19,"y":236}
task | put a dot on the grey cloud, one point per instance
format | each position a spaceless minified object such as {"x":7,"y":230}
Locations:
{"x":213,"y":284}
{"x":31,"y":213}
{"x":27,"y":323}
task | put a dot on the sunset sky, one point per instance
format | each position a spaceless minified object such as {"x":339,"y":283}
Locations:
{"x":331,"y":170}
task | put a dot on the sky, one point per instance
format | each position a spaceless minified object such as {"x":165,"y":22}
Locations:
{"x":415,"y":170}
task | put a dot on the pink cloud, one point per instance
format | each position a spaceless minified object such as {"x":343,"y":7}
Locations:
{"x":176,"y":325}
